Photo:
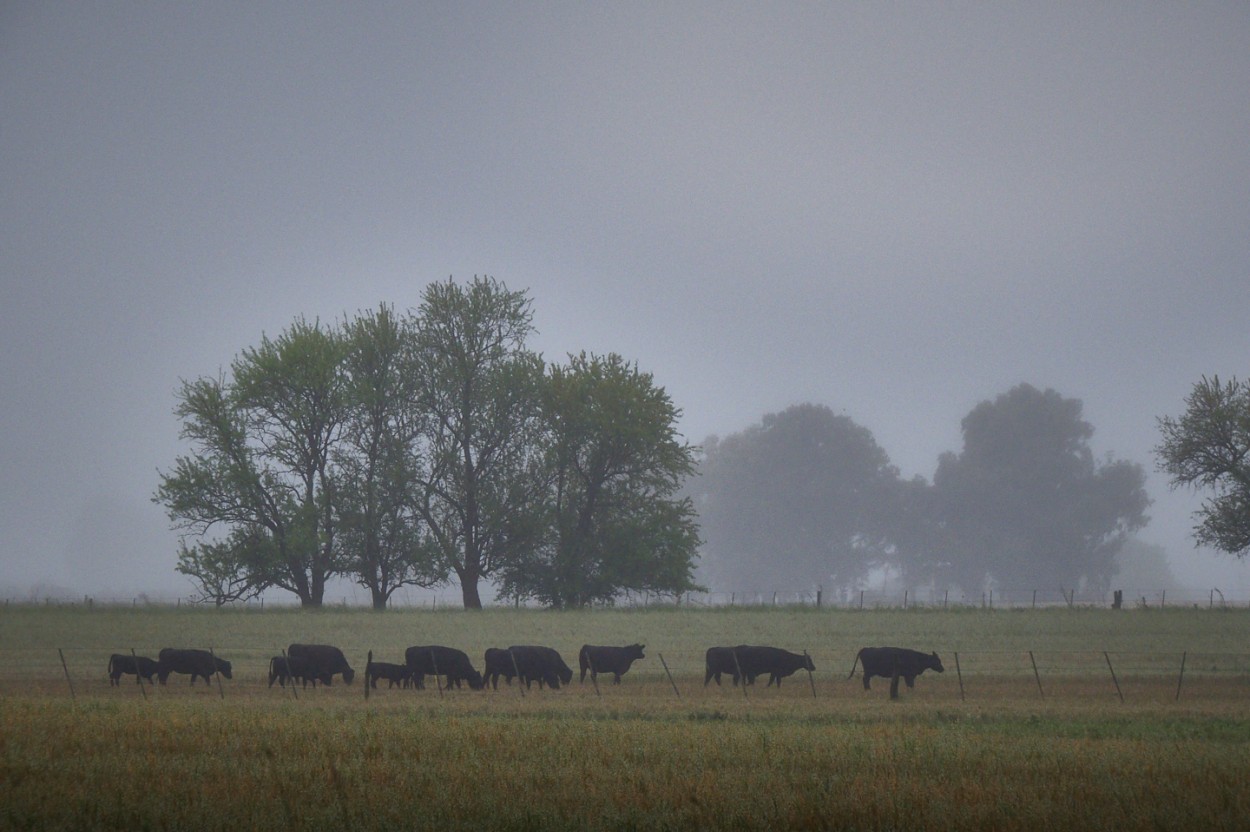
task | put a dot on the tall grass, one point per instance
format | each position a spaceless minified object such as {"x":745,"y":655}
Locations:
{"x":1003,"y":756}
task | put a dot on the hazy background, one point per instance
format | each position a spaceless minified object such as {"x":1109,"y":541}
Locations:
{"x":898,"y":210}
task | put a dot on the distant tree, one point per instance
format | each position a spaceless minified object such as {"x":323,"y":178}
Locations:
{"x":1143,"y":567}
{"x":613,"y":463}
{"x":261,"y":471}
{"x":794,"y":502}
{"x":1209,"y":448}
{"x":382,"y":537}
{"x":1025,"y":505}
{"x":479,"y":389}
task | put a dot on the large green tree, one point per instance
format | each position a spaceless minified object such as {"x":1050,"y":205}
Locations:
{"x":260,"y":477}
{"x":1025,"y":505}
{"x":794,"y":502}
{"x":382,"y":536}
{"x":479,"y":389}
{"x":613,"y":464}
{"x":1208,"y":447}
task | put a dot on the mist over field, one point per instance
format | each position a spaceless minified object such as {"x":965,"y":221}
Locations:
{"x":897,"y":212}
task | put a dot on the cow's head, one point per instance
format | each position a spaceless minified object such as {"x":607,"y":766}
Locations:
{"x":224,"y":667}
{"x":475,"y":680}
{"x":348,"y":675}
{"x":935,"y":663}
{"x":635,"y":652}
{"x":807,"y":662}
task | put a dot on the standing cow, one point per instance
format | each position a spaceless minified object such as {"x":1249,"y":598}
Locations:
{"x":777,"y":663}
{"x":394,"y":674}
{"x":720,"y":660}
{"x":498,"y":663}
{"x":325,"y":661}
{"x":894,"y":663}
{"x":543,"y":665}
{"x":137,"y":666}
{"x":436,"y":660}
{"x":193,"y":662}
{"x":614,"y":660}
{"x":282,"y":668}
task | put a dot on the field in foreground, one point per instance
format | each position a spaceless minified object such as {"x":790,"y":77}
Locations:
{"x":822,"y":753}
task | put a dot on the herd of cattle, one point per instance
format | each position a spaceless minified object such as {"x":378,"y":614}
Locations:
{"x":313,"y":663}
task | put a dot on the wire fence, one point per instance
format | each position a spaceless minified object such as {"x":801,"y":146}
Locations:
{"x":861,"y":599}
{"x":83,"y":673}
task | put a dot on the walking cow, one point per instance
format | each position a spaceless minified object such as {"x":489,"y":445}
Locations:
{"x":614,"y":660}
{"x":193,"y":662}
{"x":777,"y":663}
{"x":895,"y":663}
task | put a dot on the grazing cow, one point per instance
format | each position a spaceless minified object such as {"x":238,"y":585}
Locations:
{"x":498,"y":663}
{"x":614,"y":660}
{"x":136,"y":666}
{"x":894,"y":663}
{"x":324,"y":660}
{"x":543,"y":665}
{"x":282,"y":668}
{"x":777,"y":663}
{"x":394,"y":674}
{"x":720,"y":660}
{"x":435,"y":660}
{"x":195,"y":662}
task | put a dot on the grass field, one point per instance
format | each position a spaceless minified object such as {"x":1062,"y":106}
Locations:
{"x":995,"y":752}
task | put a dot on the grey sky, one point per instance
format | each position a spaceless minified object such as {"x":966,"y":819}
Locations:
{"x":898,"y":210}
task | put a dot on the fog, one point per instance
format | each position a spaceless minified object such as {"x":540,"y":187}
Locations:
{"x":896,"y":210}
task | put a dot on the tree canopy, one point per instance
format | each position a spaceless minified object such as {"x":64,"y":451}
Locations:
{"x":1208,"y":447}
{"x":1026,"y":504}
{"x":794,"y":502}
{"x":401,"y":450}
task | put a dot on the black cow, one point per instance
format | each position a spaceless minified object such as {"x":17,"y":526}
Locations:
{"x":436,"y":660}
{"x":543,"y":665}
{"x":195,"y":662}
{"x":324,"y":661}
{"x":720,"y":660}
{"x":777,"y":663}
{"x":894,"y":663}
{"x":498,"y":663}
{"x":394,"y":674}
{"x":282,"y":668}
{"x":614,"y":660}
{"x":136,"y":666}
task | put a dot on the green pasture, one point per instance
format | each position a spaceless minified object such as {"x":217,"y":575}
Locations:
{"x":999,"y":752}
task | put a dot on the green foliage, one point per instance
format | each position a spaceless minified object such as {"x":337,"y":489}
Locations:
{"x":1209,"y":448}
{"x":612,"y":465}
{"x":1025,"y":504}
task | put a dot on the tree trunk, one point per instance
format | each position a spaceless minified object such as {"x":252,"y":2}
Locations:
{"x":379,"y":598}
{"x":469,"y":591}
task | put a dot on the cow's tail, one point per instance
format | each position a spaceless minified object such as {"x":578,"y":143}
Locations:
{"x":856,"y":664}
{"x":111,"y":658}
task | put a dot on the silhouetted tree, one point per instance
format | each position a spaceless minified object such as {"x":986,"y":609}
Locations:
{"x":794,"y":502}
{"x":1209,"y":448}
{"x":1025,"y":505}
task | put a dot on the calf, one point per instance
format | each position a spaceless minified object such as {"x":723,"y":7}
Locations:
{"x":137,"y":666}
{"x":614,"y":660}
{"x":894,"y":663}
{"x":394,"y":674}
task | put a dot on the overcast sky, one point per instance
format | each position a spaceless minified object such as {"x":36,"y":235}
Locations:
{"x":895,"y":209}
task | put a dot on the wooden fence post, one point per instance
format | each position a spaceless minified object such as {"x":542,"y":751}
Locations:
{"x":70,"y":681}
{"x":368,"y":664}
{"x":520,"y":683}
{"x":1037,"y":675}
{"x":1112,"y":669}
{"x":960,"y":674}
{"x":1181,"y":678}
{"x":670,"y":676}
{"x":138,"y":675}
{"x":734,"y":652}
{"x":810,"y":680}
{"x":221,"y":691}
